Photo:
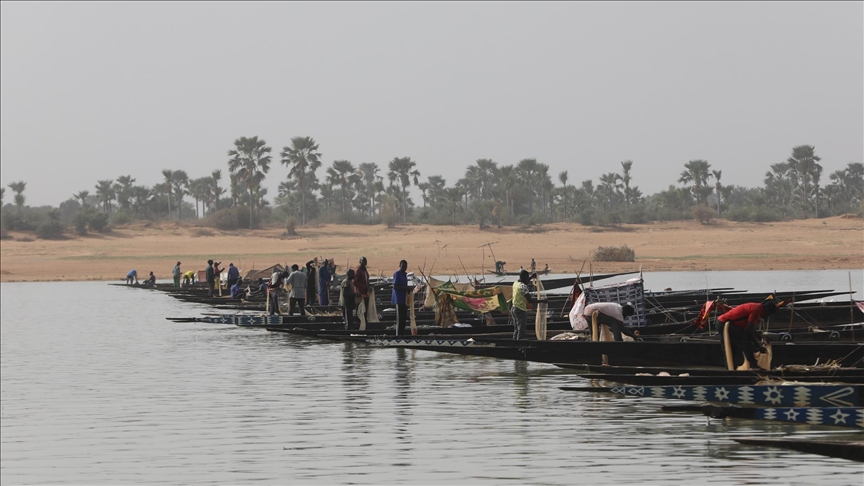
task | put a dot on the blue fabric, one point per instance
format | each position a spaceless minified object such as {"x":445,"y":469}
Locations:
{"x":399,"y":278}
{"x":323,"y":279}
{"x":233,"y":272}
{"x":132,"y":273}
{"x":235,"y":291}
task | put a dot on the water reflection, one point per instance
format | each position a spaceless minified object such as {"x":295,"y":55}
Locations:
{"x":102,"y":397}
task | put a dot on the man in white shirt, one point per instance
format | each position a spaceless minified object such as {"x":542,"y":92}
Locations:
{"x":297,"y":297}
{"x":612,"y":314}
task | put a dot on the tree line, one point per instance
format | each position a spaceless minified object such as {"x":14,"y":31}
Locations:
{"x":487,"y":193}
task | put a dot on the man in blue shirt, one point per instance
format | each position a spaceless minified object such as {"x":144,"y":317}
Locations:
{"x":324,"y":284}
{"x":233,"y":275}
{"x":236,"y":291}
{"x":132,"y":275}
{"x":400,"y":294}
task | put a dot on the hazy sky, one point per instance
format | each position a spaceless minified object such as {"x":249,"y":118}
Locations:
{"x":98,"y":90}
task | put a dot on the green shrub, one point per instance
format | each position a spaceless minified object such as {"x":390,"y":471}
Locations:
{"x":98,"y":222}
{"x":120,"y":218}
{"x":81,"y":223}
{"x":613,"y":254}
{"x":291,"y":225}
{"x":51,"y":230}
{"x":703,"y":214}
{"x":224,"y":219}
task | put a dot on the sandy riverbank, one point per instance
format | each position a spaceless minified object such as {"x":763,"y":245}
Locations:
{"x":834,"y":243}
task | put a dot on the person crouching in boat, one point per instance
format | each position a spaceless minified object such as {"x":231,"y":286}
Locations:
{"x":151,"y":281}
{"x":742,"y":321}
{"x":519,"y":308}
{"x":132,"y":277}
{"x":236,"y":291}
{"x":189,"y":277}
{"x":612,"y":315}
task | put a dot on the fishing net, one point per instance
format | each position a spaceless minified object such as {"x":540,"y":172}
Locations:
{"x":540,"y":320}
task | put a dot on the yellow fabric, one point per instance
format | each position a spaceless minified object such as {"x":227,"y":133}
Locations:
{"x":519,"y":300}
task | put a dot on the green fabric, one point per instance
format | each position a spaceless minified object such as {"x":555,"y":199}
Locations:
{"x":519,"y":300}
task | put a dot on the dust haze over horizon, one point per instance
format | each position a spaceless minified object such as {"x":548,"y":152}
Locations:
{"x":93,"y":91}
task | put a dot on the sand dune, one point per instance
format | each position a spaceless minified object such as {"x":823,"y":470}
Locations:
{"x":816,"y":244}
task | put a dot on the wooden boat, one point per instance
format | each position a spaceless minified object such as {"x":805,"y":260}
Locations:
{"x":852,"y":450}
{"x":732,"y":378}
{"x":776,"y":395}
{"x":835,"y":416}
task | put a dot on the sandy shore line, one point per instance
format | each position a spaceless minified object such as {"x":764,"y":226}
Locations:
{"x":816,"y":244}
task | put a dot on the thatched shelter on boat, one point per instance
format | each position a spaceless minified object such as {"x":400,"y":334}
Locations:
{"x":265,"y":273}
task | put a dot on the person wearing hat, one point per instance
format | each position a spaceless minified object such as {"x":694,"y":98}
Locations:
{"x":210,"y":275}
{"x":612,"y":314}
{"x":742,"y":321}
{"x":519,"y":307}
{"x":233,"y":275}
{"x":176,"y":273}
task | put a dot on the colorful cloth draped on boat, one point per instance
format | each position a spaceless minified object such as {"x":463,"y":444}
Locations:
{"x":476,"y":300}
{"x":435,"y":283}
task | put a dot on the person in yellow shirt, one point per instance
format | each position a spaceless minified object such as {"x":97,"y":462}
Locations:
{"x":519,"y":306}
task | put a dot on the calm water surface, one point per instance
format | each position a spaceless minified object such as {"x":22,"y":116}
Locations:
{"x":98,"y":388}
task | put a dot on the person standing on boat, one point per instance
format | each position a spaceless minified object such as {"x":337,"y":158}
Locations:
{"x":210,"y":276}
{"x":277,"y":280}
{"x":400,"y":297}
{"x":132,"y":276}
{"x":233,"y":275}
{"x":348,"y":300}
{"x":324,"y":284}
{"x":361,"y":285}
{"x":533,"y":266}
{"x":175,"y":272}
{"x":297,"y":297}
{"x":519,"y":306}
{"x":612,"y":314}
{"x":743,"y":337}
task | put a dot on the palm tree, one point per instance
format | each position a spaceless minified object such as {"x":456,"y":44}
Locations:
{"x":216,"y":176}
{"x":804,"y":163}
{"x":528,"y":171}
{"x":343,"y":174}
{"x":369,"y":178}
{"x":718,"y":187}
{"x":122,"y":190}
{"x":562,"y":176}
{"x":401,"y":170}
{"x":250,"y":162}
{"x":181,"y":188}
{"x":105,"y":193}
{"x":82,"y":196}
{"x":18,"y":187}
{"x":625,"y":178}
{"x":303,"y":159}
{"x":697,"y":172}
{"x":168,"y":185}
{"x":778,"y":187}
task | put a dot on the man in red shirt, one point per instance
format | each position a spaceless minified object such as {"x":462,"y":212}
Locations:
{"x":742,"y":328}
